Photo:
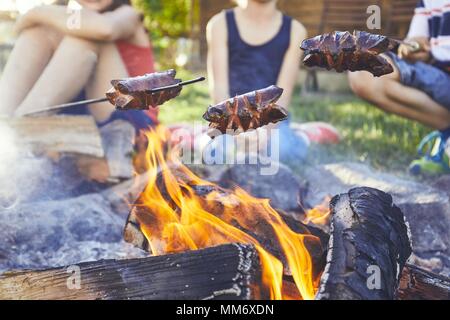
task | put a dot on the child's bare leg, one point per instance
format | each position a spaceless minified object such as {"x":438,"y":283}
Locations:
{"x":31,"y":53}
{"x":110,"y":66}
{"x":389,"y":94}
{"x":65,"y":76}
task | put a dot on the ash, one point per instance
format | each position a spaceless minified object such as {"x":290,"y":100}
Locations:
{"x":50,"y":217}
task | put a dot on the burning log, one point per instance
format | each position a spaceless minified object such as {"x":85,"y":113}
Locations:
{"x":216,"y":200}
{"x":369,"y":237}
{"x":245,"y":112}
{"x":231,"y":272}
{"x":178,"y":211}
{"x":419,"y":284}
{"x":55,"y":134}
{"x":345,"y":51}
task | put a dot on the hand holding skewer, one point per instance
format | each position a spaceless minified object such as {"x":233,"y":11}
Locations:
{"x":416,"y":49}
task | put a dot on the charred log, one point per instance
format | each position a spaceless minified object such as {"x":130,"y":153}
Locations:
{"x":419,"y":284}
{"x":231,"y":272}
{"x":369,"y":237}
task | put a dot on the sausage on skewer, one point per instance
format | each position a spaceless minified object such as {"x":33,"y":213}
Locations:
{"x":345,"y":51}
{"x":135,"y":93}
{"x":248,"y":111}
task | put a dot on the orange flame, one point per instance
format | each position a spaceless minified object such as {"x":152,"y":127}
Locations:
{"x":178,"y":219}
{"x":320,"y":214}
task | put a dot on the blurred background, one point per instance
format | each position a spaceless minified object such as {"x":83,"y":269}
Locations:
{"x":177,"y":26}
{"x":177,"y":32}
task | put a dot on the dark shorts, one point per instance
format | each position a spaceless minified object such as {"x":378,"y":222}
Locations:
{"x":138,"y":118}
{"x":425,"y":77}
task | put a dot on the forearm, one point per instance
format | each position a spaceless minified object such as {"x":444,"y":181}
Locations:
{"x":291,"y":65}
{"x":219,"y":92}
{"x":216,"y":34}
{"x":85,"y":23}
{"x":218,"y":76}
{"x":286,"y":98}
{"x":287,"y":81}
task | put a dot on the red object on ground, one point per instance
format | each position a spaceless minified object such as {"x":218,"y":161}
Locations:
{"x":318,"y":132}
{"x":138,"y":61}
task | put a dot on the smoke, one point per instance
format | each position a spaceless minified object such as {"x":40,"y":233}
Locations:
{"x":23,"y":175}
{"x":9,"y":156}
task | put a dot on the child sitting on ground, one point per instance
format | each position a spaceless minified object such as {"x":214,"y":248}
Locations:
{"x":253,"y":46}
{"x":54,"y":63}
{"x":419,"y":87}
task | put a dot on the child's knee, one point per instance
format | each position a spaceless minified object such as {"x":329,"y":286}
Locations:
{"x":40,"y":33}
{"x":83,"y":48}
{"x":360,"y":83}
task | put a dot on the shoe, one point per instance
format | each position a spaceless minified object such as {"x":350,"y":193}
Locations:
{"x":434,"y":158}
{"x":318,"y":132}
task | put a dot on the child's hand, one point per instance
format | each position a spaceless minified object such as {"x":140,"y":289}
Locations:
{"x":409,"y":53}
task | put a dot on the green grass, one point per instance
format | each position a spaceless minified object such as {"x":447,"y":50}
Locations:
{"x":191,"y":104}
{"x":369,"y":135}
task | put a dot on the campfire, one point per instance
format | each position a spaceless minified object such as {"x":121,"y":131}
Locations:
{"x":211,"y":242}
{"x":205,"y":240}
{"x":178,"y":211}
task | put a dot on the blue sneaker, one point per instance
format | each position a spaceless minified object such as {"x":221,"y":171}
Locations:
{"x":434,"y":158}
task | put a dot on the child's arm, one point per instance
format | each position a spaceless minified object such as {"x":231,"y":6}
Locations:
{"x":419,"y":31}
{"x":110,"y":26}
{"x":291,"y":64}
{"x":216,"y":33}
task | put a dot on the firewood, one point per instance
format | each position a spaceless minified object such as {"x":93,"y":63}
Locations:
{"x":224,"y":272}
{"x":118,"y":139}
{"x":419,"y":284}
{"x":55,"y":134}
{"x":368,"y":247}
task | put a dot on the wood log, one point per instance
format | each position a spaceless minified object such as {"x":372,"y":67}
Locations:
{"x":57,"y":134}
{"x":118,"y":140}
{"x":419,"y":284}
{"x":368,"y":247}
{"x":224,"y":272}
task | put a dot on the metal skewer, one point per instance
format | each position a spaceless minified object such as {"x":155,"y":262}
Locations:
{"x":174,"y":86}
{"x":76,"y":103}
{"x":98,"y":100}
